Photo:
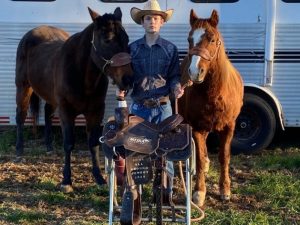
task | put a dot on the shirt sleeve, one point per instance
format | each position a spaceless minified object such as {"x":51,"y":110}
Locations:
{"x":174,"y":71}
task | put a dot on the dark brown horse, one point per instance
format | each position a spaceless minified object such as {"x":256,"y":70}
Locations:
{"x":214,"y":100}
{"x":71,"y":74}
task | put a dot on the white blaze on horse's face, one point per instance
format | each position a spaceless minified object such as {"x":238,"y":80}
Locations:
{"x":193,"y":69}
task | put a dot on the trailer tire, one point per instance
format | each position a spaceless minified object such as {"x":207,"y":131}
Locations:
{"x":255,"y":126}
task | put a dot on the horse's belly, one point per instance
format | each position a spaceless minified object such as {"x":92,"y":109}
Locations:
{"x":212,"y":117}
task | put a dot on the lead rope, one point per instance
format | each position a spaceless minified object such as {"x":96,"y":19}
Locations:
{"x":200,"y":211}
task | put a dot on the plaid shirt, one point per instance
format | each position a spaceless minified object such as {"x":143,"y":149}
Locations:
{"x":156,"y":69}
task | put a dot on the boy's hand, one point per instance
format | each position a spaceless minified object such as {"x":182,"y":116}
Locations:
{"x":178,"y":92}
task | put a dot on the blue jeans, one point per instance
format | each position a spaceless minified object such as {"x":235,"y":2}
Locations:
{"x":153,"y":115}
{"x":156,"y":115}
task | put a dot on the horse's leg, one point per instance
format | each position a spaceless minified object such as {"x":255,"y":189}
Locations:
{"x":22,"y":99}
{"x":201,"y":154}
{"x":49,"y":110}
{"x":224,"y":158}
{"x":93,"y":133}
{"x":67,"y":125}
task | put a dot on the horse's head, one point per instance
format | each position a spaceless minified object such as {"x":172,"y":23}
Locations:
{"x":204,"y":44}
{"x":109,"y":48}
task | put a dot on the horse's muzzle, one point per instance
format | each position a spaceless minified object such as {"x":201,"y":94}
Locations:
{"x":127,"y":81}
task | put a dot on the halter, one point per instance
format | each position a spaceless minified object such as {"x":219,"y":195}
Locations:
{"x":204,"y":53}
{"x":119,"y":59}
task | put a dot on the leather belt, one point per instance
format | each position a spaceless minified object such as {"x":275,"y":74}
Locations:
{"x":155,"y":102}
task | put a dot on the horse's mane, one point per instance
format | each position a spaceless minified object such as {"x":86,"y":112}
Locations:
{"x":223,"y":72}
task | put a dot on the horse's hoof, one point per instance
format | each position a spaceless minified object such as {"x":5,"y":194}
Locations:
{"x":225,"y":197}
{"x":199,"y":198}
{"x":101,"y":181}
{"x":50,"y":152}
{"x":66,"y":188}
{"x":19,"y":159}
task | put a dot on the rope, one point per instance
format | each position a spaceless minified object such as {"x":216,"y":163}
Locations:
{"x":201,"y":212}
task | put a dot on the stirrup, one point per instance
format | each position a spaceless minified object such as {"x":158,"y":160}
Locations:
{"x":131,"y":208}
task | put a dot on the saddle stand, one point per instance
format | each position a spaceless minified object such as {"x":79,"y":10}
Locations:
{"x":146,"y":148}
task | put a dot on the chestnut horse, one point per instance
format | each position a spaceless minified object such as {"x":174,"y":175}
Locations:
{"x":71,"y":74}
{"x":214,"y":100}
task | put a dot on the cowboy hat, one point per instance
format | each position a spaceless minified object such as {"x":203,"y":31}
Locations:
{"x":150,"y":8}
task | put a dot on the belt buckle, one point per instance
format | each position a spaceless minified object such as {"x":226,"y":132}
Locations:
{"x":151,"y":103}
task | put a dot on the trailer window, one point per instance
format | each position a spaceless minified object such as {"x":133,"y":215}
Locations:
{"x":215,"y":1}
{"x":132,"y":1}
{"x":291,"y":1}
{"x":33,"y":0}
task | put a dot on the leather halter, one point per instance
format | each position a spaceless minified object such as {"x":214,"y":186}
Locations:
{"x":204,"y":53}
{"x":119,"y":59}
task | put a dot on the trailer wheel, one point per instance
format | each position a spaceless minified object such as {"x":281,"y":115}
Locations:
{"x":255,"y":126}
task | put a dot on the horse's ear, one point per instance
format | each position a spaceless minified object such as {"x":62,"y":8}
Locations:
{"x":193,"y":17}
{"x":93,"y":14}
{"x":214,"y":18}
{"x":118,"y":13}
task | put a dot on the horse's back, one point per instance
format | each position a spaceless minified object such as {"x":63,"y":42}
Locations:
{"x":35,"y":59}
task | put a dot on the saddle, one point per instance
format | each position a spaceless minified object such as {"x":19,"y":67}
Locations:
{"x":139,"y":142}
{"x":141,"y":136}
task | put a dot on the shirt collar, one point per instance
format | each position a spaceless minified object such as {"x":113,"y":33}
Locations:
{"x":142,"y":41}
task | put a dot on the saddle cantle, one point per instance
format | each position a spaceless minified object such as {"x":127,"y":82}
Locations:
{"x":170,"y":123}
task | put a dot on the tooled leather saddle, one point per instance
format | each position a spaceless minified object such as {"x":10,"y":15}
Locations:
{"x":170,"y":138}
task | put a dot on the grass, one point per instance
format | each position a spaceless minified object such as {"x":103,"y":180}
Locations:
{"x":265,"y":187}
{"x":7,"y":138}
{"x":18,"y":216}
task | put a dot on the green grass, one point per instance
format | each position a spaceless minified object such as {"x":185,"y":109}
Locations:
{"x":96,"y":197}
{"x":18,"y":216}
{"x":233,"y":217}
{"x":7,"y":140}
{"x":53,"y":198}
{"x":285,"y":160}
{"x":46,"y":184}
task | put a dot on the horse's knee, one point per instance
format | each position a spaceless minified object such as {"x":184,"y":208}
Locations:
{"x":20,"y":116}
{"x":93,"y":140}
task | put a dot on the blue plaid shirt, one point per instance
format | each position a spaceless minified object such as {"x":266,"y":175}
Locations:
{"x":156,"y":69}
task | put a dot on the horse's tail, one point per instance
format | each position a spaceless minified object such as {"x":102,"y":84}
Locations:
{"x":35,"y":110}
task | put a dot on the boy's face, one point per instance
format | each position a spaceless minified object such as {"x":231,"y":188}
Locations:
{"x":152,"y":23}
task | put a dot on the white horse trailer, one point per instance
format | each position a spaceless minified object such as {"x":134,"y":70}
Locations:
{"x":261,"y":38}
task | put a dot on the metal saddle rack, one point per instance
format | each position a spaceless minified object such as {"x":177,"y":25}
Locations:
{"x":146,"y":148}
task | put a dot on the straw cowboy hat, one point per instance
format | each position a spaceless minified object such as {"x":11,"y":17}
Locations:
{"x":150,"y":8}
